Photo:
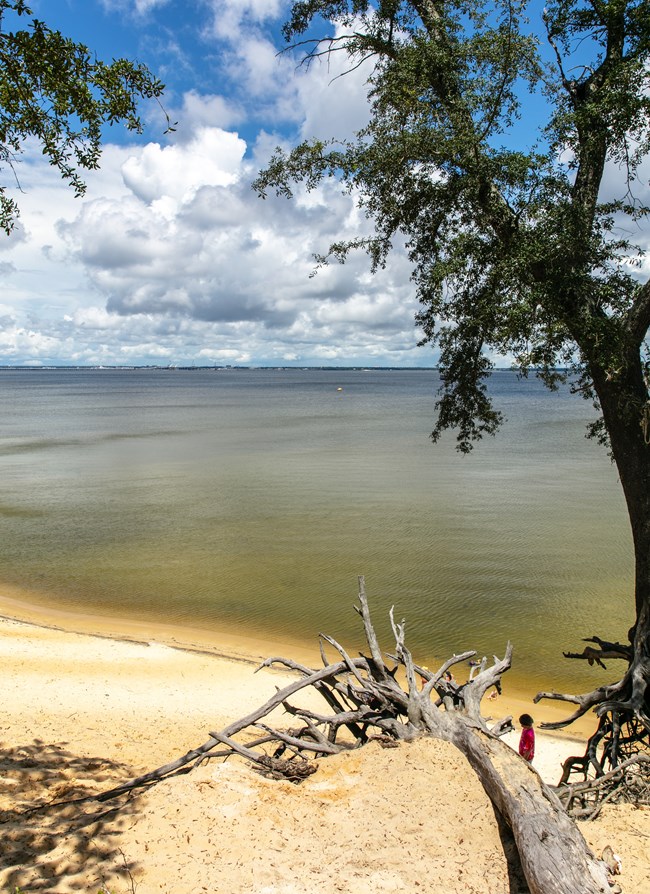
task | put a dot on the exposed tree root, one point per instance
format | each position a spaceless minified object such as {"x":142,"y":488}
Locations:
{"x":629,"y":782}
{"x":615,"y":763}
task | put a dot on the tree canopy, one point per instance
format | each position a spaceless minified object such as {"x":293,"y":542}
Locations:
{"x":54,"y":91}
{"x":506,"y":145}
{"x":512,"y":245}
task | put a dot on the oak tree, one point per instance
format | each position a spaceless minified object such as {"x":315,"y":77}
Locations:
{"x":55,"y":91}
{"x":505,"y":146}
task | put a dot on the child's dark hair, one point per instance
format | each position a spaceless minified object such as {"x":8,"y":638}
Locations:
{"x":526,"y":720}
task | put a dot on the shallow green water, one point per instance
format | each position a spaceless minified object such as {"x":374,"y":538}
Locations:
{"x":253,"y":499}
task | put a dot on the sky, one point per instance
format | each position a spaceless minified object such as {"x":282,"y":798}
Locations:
{"x":171,"y":258}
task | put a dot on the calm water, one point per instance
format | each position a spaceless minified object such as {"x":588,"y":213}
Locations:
{"x":252,"y":499}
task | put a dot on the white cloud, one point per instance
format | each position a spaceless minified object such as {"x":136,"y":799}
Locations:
{"x":262,"y":72}
{"x":198,"y":111}
{"x":211,"y":158}
{"x":16,"y":340}
{"x":333,"y":96}
{"x":172,"y":258}
{"x":217,"y":256}
{"x":144,"y":6}
{"x":327,"y":98}
{"x":229,"y":16}
{"x":139,"y":7}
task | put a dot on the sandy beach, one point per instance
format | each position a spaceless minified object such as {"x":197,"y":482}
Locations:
{"x":81,"y":711}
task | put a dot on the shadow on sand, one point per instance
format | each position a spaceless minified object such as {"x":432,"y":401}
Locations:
{"x":50,"y":844}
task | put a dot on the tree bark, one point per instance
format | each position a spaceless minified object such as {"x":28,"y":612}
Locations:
{"x":623,"y":398}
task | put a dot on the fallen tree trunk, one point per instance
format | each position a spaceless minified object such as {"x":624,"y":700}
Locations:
{"x":553,"y":853}
{"x":364,"y":695}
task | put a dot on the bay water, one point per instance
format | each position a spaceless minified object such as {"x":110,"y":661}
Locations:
{"x":249,"y":500}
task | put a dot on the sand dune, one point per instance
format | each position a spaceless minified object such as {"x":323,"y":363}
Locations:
{"x":81,"y":711}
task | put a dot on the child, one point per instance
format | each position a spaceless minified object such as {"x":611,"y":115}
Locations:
{"x":527,"y":740}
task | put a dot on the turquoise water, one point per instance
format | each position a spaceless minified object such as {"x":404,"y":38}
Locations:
{"x":250,"y":500}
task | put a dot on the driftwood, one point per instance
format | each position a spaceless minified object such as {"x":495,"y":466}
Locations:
{"x":365,"y":700}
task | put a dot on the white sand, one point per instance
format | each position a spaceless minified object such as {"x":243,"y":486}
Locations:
{"x":81,"y":711}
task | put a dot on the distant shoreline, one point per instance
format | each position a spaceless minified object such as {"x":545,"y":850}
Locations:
{"x":197,"y":368}
{"x":191,"y":367}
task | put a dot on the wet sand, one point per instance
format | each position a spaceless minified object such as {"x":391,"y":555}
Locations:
{"x":19,"y":605}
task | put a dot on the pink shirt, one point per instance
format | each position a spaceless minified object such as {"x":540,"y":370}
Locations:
{"x":527,"y":743}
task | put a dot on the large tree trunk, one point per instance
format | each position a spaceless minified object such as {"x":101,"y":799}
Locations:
{"x":553,"y":853}
{"x":622,"y":706}
{"x":552,"y":850}
{"x":626,"y":413}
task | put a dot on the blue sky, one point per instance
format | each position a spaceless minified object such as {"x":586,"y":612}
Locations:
{"x":171,"y":258}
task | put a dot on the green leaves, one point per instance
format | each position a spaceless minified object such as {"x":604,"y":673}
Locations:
{"x":53,"y":89}
{"x":512,"y":249}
